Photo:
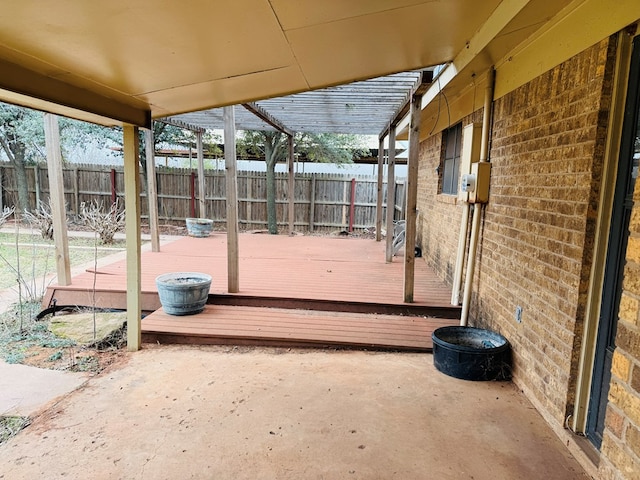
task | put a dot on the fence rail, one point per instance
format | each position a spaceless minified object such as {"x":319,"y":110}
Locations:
{"x":322,"y":202}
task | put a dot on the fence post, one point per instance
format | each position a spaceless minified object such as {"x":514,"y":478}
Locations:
{"x":114,"y":195}
{"x":76,"y":193}
{"x":193,"y":194}
{"x":1,"y":188}
{"x":36,"y":176}
{"x":312,"y":203}
{"x":249,"y":203}
{"x":352,"y":206}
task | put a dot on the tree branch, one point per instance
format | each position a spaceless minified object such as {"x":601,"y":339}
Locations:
{"x":7,"y":149}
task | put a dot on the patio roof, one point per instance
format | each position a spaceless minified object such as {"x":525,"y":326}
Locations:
{"x":364,"y":107}
{"x":122,"y":62}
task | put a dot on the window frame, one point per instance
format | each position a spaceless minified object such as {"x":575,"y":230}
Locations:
{"x":450,"y":159}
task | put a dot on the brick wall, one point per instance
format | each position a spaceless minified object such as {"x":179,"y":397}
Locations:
{"x":547,"y":153}
{"x":439,"y":216}
{"x":547,"y":156}
{"x":621,"y":443}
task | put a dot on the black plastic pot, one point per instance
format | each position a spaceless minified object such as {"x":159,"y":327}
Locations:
{"x":471,"y":353}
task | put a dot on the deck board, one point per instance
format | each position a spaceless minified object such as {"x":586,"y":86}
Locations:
{"x":297,"y":272}
{"x":218,"y":324}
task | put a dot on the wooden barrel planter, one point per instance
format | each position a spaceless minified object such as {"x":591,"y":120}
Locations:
{"x":183,"y":293}
{"x":471,"y":353}
{"x":199,"y":227}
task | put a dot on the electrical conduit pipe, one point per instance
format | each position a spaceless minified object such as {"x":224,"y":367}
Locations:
{"x":477,"y":208}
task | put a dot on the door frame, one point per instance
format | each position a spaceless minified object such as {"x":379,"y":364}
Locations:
{"x":578,"y":420}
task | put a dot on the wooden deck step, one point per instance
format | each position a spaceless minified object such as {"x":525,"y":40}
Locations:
{"x":242,"y":325}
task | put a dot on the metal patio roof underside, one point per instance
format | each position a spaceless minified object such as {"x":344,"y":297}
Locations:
{"x":128,"y":62}
{"x":364,"y":108}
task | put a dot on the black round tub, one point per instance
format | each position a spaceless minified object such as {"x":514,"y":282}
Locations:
{"x":471,"y":353}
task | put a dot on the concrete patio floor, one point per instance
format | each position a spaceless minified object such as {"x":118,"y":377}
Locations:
{"x":178,"y":412}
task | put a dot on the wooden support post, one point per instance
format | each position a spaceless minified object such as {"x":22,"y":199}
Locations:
{"x":312,"y":203}
{"x":292,"y":187}
{"x":56,"y":195}
{"x":202,"y":201}
{"x":411,"y":190}
{"x":132,"y":231}
{"x":152,"y":191}
{"x":391,"y":193}
{"x":233,"y":265}
{"x":380,"y":187}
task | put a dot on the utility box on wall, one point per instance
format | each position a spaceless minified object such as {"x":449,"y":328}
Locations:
{"x":471,"y":138}
{"x":481,"y":171}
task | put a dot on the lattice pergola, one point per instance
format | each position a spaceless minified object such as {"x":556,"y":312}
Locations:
{"x":365,"y":107}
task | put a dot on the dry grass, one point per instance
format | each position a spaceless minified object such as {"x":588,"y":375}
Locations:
{"x":33,"y":257}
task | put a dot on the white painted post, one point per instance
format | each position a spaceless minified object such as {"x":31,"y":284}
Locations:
{"x":132,"y":231}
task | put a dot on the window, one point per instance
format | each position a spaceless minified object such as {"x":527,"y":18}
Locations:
{"x":452,"y":142}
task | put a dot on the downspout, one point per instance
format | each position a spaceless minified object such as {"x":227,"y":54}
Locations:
{"x":477,"y":207}
{"x":462,"y":244}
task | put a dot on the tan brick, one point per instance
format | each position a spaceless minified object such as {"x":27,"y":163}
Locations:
{"x":620,"y":458}
{"x":633,"y":249}
{"x":631,"y":281}
{"x":626,"y":401}
{"x":635,"y":378}
{"x":634,"y":223}
{"x":632,"y":437}
{"x":606,"y":471}
{"x":628,"y":339}
{"x":614,"y":422}
{"x":621,"y":366}
{"x":629,"y":309}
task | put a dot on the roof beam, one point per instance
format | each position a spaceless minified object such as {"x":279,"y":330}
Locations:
{"x":27,"y":82}
{"x":420,"y":88}
{"x":180,"y":124}
{"x":265,"y":116}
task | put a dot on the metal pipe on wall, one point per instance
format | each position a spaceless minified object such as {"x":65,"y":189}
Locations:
{"x":462,"y":244}
{"x":477,"y":209}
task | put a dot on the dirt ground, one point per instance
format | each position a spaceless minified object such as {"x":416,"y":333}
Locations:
{"x":170,"y":412}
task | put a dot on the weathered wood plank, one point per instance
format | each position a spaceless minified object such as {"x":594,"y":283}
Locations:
{"x":233,"y":283}
{"x":56,"y":192}
{"x":298,"y":327}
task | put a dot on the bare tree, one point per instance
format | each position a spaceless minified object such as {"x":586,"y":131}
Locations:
{"x":104,"y":223}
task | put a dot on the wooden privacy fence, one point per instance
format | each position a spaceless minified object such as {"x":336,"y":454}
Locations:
{"x":323,"y":202}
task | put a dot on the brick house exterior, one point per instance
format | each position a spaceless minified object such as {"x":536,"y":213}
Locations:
{"x":538,"y":245}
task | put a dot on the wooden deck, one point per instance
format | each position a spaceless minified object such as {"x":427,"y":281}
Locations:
{"x":297,"y":291}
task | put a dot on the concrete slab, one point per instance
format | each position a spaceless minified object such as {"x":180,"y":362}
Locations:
{"x":212,"y":412}
{"x":24,"y":390}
